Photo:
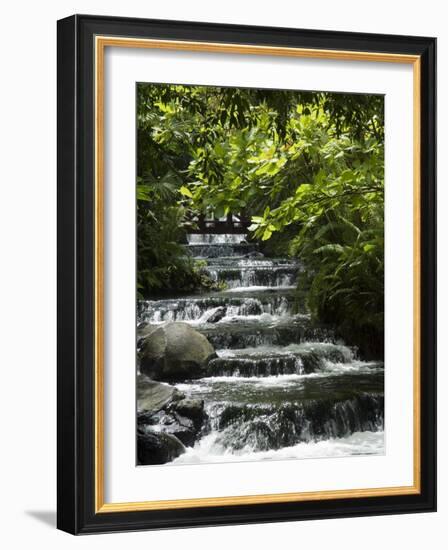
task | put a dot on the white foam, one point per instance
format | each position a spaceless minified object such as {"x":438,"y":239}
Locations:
{"x":207,"y":450}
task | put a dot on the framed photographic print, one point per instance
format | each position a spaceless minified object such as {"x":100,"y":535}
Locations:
{"x":246,"y":271}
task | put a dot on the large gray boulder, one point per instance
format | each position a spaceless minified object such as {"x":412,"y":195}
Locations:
{"x":175,"y":351}
{"x":143,"y":330}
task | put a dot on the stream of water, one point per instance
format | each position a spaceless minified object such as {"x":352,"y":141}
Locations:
{"x":280,"y":386}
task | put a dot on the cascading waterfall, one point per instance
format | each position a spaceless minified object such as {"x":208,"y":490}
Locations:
{"x":236,"y":304}
{"x":280,"y":386}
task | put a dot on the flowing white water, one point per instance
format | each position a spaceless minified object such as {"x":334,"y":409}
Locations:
{"x":310,"y":347}
{"x":209,"y":450}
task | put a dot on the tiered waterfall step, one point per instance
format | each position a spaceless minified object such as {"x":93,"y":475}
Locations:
{"x":275,"y":301}
{"x":237,"y":263}
{"x":247,"y":332}
{"x":263,"y":414}
{"x":305,"y":358}
{"x":249,"y":272}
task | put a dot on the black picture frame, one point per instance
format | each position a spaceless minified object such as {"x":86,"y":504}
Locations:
{"x":76,"y":272}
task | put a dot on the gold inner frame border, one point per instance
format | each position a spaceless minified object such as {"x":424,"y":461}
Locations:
{"x":101,"y":42}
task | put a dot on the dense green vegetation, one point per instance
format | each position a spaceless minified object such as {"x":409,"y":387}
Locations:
{"x":306,"y":168}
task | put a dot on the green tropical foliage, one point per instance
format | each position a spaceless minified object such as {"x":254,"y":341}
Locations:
{"x":306,"y":168}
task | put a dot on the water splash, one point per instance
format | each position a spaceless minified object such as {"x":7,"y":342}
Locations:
{"x":208,"y":450}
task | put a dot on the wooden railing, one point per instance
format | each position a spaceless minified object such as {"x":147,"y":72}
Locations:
{"x":234,"y":223}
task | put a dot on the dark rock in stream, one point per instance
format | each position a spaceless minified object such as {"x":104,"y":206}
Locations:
{"x":169,"y":423}
{"x":175,"y":351}
{"x":254,"y":254}
{"x":157,"y":447}
{"x":162,"y":409}
{"x":214,"y":315}
{"x":192,"y":409}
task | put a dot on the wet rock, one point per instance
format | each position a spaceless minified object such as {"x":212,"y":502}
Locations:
{"x":214,"y":315}
{"x":314,"y":360}
{"x":192,"y":409}
{"x":182,"y":418}
{"x":144,"y":330}
{"x":157,"y":447}
{"x":175,"y":351}
{"x":147,"y":418}
{"x":257,"y":435}
{"x":254,"y":254}
{"x":181,"y":427}
{"x":153,"y":396}
{"x":169,"y":423}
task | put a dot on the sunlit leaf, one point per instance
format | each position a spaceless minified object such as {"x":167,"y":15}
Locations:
{"x":186,"y":192}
